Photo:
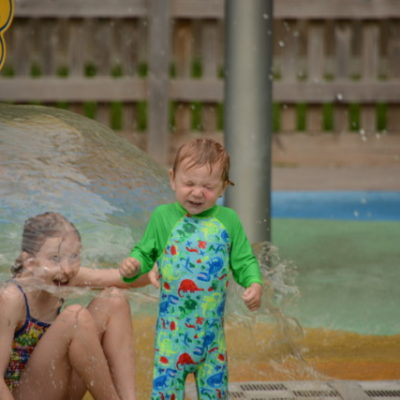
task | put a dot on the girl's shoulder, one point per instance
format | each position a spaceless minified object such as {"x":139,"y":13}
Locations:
{"x":13,"y":314}
{"x":12,"y":300}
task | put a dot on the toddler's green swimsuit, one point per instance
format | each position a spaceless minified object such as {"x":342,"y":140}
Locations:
{"x":194,"y":254}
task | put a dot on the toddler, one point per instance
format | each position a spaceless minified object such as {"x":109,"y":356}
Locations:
{"x":196,"y":244}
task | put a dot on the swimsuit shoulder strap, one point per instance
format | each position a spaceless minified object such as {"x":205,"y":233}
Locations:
{"x":27,"y":309}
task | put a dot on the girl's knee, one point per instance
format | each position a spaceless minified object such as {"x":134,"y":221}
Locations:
{"x":77,"y":316}
{"x":114,"y":299}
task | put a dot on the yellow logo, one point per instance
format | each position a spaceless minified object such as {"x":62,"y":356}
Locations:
{"x":6,"y":15}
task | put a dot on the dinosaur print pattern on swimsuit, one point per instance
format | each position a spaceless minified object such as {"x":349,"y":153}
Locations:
{"x":190,"y":335}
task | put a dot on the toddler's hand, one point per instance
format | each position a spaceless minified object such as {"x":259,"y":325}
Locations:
{"x":252,"y":296}
{"x":129,"y":267}
{"x":154,"y":276}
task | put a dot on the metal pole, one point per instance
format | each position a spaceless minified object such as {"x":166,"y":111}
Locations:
{"x":248,"y":112}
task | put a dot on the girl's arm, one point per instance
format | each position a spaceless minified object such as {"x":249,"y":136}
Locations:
{"x":12,"y":310}
{"x":99,"y":278}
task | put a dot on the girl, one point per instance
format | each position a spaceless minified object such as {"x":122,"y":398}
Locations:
{"x":49,"y":353}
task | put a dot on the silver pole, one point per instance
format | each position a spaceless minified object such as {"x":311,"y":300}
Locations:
{"x":248,"y":112}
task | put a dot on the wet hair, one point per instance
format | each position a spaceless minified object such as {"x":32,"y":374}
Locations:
{"x":204,"y":151}
{"x":39,"y":228}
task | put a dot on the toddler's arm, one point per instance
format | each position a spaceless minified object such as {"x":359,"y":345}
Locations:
{"x":129,"y":267}
{"x":252,"y":296}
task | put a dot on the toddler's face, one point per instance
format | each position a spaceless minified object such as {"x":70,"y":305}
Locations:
{"x":197,"y":188}
{"x":58,"y":260}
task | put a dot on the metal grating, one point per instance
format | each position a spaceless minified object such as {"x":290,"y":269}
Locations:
{"x":309,"y":390}
{"x":262,"y":386}
{"x":271,"y":398}
{"x":393,"y":394}
{"x":316,"y":393}
{"x":237,"y":395}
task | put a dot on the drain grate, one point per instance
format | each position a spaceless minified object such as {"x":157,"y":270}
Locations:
{"x":384,"y":393}
{"x":316,"y":393}
{"x":237,"y":395}
{"x":254,"y":387}
{"x":309,"y":390}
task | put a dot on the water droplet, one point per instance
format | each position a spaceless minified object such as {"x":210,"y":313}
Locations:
{"x":339,"y":97}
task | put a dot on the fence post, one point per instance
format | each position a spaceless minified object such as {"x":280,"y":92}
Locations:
{"x":248,"y":105}
{"x":158,"y":90}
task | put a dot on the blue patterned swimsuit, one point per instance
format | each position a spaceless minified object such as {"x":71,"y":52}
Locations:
{"x":195,"y":255}
{"x":25,"y":340}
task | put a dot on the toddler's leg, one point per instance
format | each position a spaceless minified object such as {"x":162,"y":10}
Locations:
{"x":212,"y":377}
{"x":168,"y":381}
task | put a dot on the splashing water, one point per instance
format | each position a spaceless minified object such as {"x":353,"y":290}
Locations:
{"x":280,"y":290}
{"x":279,"y":335}
{"x":55,"y":160}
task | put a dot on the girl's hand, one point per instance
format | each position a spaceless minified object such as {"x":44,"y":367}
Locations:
{"x":129,"y":267}
{"x":154,"y":277}
{"x":252,"y":296}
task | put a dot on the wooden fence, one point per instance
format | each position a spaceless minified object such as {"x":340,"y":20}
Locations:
{"x":336,"y":63}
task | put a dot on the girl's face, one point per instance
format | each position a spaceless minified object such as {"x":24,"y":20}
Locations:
{"x":197,"y":188}
{"x":58,"y":260}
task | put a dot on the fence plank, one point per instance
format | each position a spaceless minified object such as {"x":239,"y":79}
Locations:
{"x":209,"y":59}
{"x":183,"y":50}
{"x":328,"y":92}
{"x":342,"y":35}
{"x":81,"y":9}
{"x":393,"y":112}
{"x":315,"y":66}
{"x":160,"y":31}
{"x":74,"y":89}
{"x":134,"y":89}
{"x":285,"y":9}
{"x":127,"y":41}
{"x":21,"y":48}
{"x":370,"y":57}
{"x":289,"y":44}
{"x":103,"y":51}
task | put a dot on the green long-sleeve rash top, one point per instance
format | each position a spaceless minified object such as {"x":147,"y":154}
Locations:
{"x":217,"y":230}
